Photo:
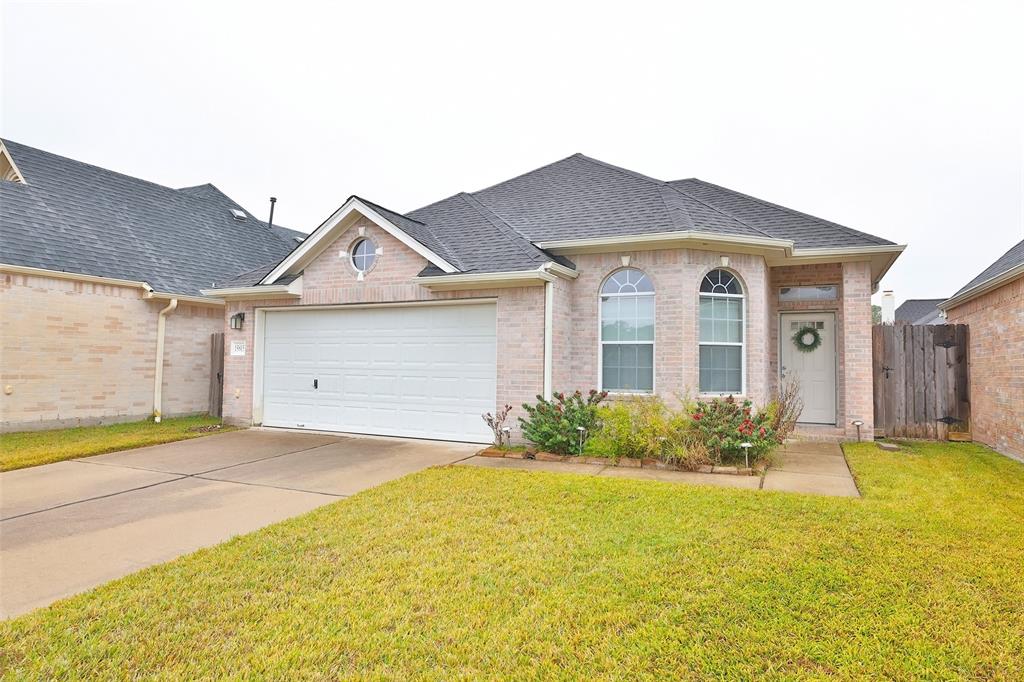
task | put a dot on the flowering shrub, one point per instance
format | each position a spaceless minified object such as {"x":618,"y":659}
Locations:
{"x":563,"y":424}
{"x":724,"y":425}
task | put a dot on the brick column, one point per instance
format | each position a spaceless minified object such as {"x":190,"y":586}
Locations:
{"x":856,"y":337}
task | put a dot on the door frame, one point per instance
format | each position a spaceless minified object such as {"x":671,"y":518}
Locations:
{"x":835,"y":357}
{"x":260,"y":326}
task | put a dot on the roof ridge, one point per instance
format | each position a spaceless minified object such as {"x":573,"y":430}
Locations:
{"x":389,"y":210}
{"x":663,"y":183}
{"x":723,"y":212}
{"x":498,"y":222}
{"x":515,"y":177}
{"x":822,"y":221}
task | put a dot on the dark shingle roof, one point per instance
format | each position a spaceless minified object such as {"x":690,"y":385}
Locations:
{"x":1009,"y":260}
{"x":918,"y":310}
{"x":806,"y":231}
{"x":578,"y":197}
{"x":75,"y":217}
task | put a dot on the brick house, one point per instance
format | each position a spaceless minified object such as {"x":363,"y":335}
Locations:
{"x":993,"y":305}
{"x":96,"y":267}
{"x":576,"y":275}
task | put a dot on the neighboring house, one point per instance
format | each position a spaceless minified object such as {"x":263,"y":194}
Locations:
{"x":576,"y":275}
{"x":920,"y":311}
{"x":91,"y":261}
{"x":993,"y":305}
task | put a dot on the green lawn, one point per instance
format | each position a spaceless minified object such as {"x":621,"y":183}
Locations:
{"x":31,"y":448}
{"x":462,"y":572}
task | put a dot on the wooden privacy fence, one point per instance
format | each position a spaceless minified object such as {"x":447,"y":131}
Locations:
{"x":217,"y":374}
{"x":921,"y":381}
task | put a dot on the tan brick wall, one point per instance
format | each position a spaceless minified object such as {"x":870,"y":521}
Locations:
{"x":852,"y":310}
{"x":80,"y":352}
{"x":676,"y":274}
{"x":996,"y":320}
{"x":855,"y":349}
{"x":331,"y":280}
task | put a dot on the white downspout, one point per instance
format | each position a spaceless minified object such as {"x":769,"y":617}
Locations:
{"x":549,"y":300}
{"x":158,"y":381}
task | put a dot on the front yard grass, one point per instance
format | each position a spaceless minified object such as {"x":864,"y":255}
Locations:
{"x":32,"y":448}
{"x":464,"y":572}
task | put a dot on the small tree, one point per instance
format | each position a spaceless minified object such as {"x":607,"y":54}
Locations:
{"x":497,"y":423}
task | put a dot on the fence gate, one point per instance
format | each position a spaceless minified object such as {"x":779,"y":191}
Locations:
{"x":921,"y":381}
{"x":217,"y":374}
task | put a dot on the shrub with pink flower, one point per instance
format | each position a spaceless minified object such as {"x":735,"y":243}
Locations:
{"x":726,"y":424}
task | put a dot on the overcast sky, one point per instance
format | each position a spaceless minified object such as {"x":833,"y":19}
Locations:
{"x":900,"y":119}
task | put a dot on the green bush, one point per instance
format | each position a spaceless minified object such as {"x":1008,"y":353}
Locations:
{"x":725,"y":424}
{"x":645,"y":428}
{"x":561,"y":424}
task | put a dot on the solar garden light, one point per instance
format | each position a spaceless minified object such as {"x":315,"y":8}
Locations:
{"x":858,"y":423}
{"x":506,"y":434}
{"x":581,"y":431}
{"x":746,"y":453}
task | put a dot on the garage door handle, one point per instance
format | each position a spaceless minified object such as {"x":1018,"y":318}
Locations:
{"x":315,"y":383}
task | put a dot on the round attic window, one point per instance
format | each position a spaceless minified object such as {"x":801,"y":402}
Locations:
{"x":364,"y":253}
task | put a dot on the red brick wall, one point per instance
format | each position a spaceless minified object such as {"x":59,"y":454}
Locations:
{"x":996,"y":320}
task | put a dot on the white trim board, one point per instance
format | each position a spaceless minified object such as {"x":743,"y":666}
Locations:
{"x":316,"y":243}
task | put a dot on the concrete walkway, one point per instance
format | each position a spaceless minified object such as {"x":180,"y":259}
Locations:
{"x":800,"y":467}
{"x":69,"y":526}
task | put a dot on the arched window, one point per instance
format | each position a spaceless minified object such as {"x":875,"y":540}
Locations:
{"x":721,"y":333}
{"x":627,"y":332}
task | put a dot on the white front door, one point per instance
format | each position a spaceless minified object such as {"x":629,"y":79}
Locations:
{"x":815,"y":370}
{"x":422,"y":371}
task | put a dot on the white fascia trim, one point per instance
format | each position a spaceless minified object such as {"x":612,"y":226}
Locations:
{"x":14,"y":166}
{"x":291,"y":290}
{"x":321,"y":237}
{"x":477,"y":280}
{"x":650,"y":239}
{"x":197,"y":300}
{"x":983,"y":287}
{"x":147,"y":290}
{"x":560,"y":270}
{"x":60,"y":274}
{"x":848,"y":251}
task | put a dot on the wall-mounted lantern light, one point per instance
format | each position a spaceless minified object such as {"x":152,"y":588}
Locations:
{"x":236,"y":320}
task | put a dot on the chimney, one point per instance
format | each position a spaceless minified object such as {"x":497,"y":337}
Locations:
{"x":888,"y":307}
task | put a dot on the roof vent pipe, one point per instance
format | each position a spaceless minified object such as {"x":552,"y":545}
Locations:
{"x":273,"y":200}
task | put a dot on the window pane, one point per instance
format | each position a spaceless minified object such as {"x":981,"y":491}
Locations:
{"x":627,"y":367}
{"x":645,"y":318}
{"x":721,"y":320}
{"x":609,"y":319}
{"x":827,"y":292}
{"x":721,"y":369}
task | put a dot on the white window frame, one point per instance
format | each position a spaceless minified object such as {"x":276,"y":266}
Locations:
{"x":601,"y":342}
{"x":372,"y":255}
{"x":743,"y":342}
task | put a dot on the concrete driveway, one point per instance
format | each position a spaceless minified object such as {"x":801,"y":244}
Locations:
{"x":70,"y":526}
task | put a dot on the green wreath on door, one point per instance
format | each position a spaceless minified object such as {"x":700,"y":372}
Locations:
{"x":807,"y":339}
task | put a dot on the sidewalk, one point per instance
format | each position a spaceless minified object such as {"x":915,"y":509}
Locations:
{"x":800,"y":467}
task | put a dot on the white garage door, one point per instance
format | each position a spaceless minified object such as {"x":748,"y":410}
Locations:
{"x":424,"y":371}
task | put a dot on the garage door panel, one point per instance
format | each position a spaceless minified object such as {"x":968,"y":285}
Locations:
{"x":427,"y":371}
